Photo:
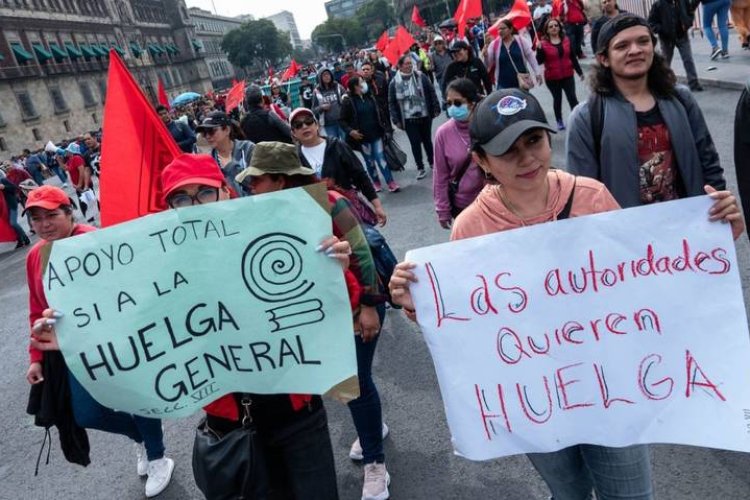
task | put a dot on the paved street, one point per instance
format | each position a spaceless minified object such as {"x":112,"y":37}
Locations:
{"x":418,"y":451}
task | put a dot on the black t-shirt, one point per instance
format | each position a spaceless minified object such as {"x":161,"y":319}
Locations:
{"x":658,"y":173}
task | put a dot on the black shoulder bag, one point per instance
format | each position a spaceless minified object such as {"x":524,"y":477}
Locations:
{"x":454,"y":184}
{"x":565,"y":212}
{"x":230,"y":466}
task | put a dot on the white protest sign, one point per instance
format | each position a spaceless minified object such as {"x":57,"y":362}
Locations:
{"x":614,"y":329}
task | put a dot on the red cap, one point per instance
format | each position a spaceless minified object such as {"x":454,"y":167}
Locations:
{"x":47,"y":197}
{"x":191,"y":169}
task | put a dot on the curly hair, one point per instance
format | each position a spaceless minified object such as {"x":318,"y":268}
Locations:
{"x":661,"y":79}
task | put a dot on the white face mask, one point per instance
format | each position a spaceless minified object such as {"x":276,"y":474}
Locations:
{"x":365,"y":88}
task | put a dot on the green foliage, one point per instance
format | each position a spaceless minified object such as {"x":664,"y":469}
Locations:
{"x":329,"y":34}
{"x":375,"y":16}
{"x":256,"y":43}
{"x":303,"y":56}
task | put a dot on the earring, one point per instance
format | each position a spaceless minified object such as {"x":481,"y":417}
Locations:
{"x":487,"y":175}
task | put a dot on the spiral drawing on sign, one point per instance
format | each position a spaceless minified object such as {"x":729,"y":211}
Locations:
{"x":272,"y":268}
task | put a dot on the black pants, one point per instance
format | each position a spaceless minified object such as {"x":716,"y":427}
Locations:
{"x":575,"y":33}
{"x":556,"y":87}
{"x":419,"y":131}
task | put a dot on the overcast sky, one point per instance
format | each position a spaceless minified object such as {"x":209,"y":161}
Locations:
{"x":307,"y":13}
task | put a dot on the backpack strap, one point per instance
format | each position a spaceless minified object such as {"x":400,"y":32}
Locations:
{"x":565,"y":212}
{"x":596,"y":115}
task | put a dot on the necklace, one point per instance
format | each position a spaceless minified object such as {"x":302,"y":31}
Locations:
{"x":510,"y":206}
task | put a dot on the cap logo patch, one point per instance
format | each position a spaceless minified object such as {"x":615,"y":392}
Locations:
{"x":510,"y":105}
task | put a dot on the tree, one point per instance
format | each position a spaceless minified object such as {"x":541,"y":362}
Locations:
{"x":256,"y":43}
{"x":329,"y":34}
{"x":375,"y":16}
{"x":303,"y":55}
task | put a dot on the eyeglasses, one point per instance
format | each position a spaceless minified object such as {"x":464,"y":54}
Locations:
{"x":210,"y":131}
{"x":298,"y":124}
{"x":205,"y":194}
{"x":455,"y":102}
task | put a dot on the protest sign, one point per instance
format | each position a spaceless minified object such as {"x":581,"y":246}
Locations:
{"x":165,"y":314}
{"x":614,"y":329}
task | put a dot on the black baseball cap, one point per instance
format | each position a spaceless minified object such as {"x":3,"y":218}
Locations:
{"x":617,"y":24}
{"x":504,"y":116}
{"x":214,"y":119}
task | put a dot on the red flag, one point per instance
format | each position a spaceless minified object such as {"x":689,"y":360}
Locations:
{"x":234,"y":82}
{"x":291,"y":71}
{"x":8,"y":238}
{"x":135,"y":148}
{"x":403,"y":40}
{"x":467,"y":9}
{"x":270,"y":71}
{"x":392,"y":53}
{"x":382,"y":42}
{"x":416,"y":18}
{"x":161,"y":94}
{"x":235,"y":96}
{"x":519,"y":15}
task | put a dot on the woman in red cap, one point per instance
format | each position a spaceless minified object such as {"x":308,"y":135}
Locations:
{"x":293,"y":428}
{"x":52,"y":218}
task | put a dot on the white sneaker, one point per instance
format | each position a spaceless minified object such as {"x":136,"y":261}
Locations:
{"x":356,"y":451}
{"x":64,"y":185}
{"x":376,"y":484}
{"x":159,"y":475}
{"x":140,"y":453}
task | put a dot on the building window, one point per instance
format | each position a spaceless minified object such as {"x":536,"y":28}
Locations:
{"x":88,"y":96}
{"x":58,"y":101}
{"x":3,"y":145}
{"x":37,"y":134}
{"x":103,"y":89}
{"x":27,"y":105}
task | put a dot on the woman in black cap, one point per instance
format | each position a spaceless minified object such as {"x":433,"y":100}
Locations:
{"x":228,"y":148}
{"x":511,"y":143}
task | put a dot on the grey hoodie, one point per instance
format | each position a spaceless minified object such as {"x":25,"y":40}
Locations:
{"x":332,"y":96}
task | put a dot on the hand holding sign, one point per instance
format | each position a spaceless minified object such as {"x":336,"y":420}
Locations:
{"x":167,"y":313}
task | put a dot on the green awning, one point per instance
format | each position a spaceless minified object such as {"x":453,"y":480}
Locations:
{"x":135,"y":49}
{"x":175,"y":48}
{"x":58,"y":52}
{"x":104,"y":48}
{"x":120,"y":51}
{"x":169,"y":48}
{"x":72,"y":50}
{"x":87,"y":52}
{"x":197,"y":45}
{"x":100,"y":52}
{"x":22,"y":55}
{"x":41,"y":53}
{"x":155,"y":49}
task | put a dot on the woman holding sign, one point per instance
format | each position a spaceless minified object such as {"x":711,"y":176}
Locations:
{"x":282,"y":170}
{"x":511,"y":144}
{"x":52,"y":219}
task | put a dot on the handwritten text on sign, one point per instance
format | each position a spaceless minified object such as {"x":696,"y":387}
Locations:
{"x":615,"y":329}
{"x":167,"y":313}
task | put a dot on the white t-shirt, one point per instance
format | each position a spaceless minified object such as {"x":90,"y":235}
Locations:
{"x":540,"y":10}
{"x":314,"y":156}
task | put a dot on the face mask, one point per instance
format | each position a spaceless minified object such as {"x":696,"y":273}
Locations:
{"x":365,"y":88}
{"x":460,"y":113}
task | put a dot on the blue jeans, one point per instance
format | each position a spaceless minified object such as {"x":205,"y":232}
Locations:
{"x":60,"y":173}
{"x":613,"y":473}
{"x":36,"y":174}
{"x":335,"y":131}
{"x":367,"y":413}
{"x":13,"y":219}
{"x":299,"y":459}
{"x":90,"y":414}
{"x":374,"y":157}
{"x":720,"y":9}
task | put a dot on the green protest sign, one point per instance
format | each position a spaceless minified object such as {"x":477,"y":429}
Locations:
{"x":165,"y":314}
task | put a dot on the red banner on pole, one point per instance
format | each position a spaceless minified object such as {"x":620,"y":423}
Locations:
{"x":519,"y":15}
{"x":136,"y":146}
{"x":467,"y":9}
{"x":383,"y":41}
{"x":416,"y":18}
{"x":291,"y":71}
{"x":235,"y":96}
{"x":161,"y":94}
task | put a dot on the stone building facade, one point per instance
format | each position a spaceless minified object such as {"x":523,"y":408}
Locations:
{"x":54,"y":61}
{"x":210,"y":30}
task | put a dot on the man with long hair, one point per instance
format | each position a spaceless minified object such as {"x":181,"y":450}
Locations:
{"x":640,"y":133}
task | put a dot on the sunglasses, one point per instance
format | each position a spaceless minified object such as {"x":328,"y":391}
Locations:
{"x":298,"y":124}
{"x":455,"y":102}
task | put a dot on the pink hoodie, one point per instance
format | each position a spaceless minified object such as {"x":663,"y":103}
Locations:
{"x":488,"y":214}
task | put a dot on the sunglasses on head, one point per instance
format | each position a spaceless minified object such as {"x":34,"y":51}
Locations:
{"x":307,"y":121}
